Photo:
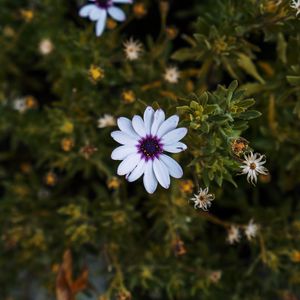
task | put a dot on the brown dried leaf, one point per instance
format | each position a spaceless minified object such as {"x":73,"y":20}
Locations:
{"x":81,"y":282}
{"x":67,"y":266}
{"x":63,"y":290}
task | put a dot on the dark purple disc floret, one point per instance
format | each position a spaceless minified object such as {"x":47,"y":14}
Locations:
{"x":103,"y":3}
{"x":150,"y":147}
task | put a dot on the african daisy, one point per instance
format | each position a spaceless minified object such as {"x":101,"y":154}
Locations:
{"x":132,"y":49}
{"x":203,"y":199}
{"x":144,"y":141}
{"x":171,"y":75}
{"x":97,"y":10}
{"x":296,"y":5}
{"x":253,"y":165}
{"x":233,"y":235}
{"x":251,"y":230}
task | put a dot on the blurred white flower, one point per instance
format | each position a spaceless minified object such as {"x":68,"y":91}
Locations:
{"x":234,"y":235}
{"x":97,"y":10}
{"x":46,"y":47}
{"x":19,"y":104}
{"x":143,"y":142}
{"x":251,"y":230}
{"x":203,"y":199}
{"x":132,"y":49}
{"x":171,"y":75}
{"x":296,"y":5}
{"x":107,"y":121}
{"x":215,"y":276}
{"x":253,"y":165}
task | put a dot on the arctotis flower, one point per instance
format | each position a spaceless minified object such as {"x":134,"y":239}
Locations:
{"x":233,"y":235}
{"x":144,"y":141}
{"x":97,"y":11}
{"x":296,"y":5}
{"x":253,"y":165}
{"x":203,"y":199}
{"x":251,"y":230}
{"x":132,"y":49}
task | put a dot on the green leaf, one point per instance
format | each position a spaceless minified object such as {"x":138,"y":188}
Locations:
{"x":194,"y":105}
{"x":246,"y":103}
{"x":293,"y":80}
{"x":204,"y":127}
{"x":246,"y":63}
{"x":250,"y":114}
{"x":183,"y":109}
{"x":184,"y":54}
{"x":281,"y":48}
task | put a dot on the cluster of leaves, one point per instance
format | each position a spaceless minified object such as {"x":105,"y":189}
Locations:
{"x":217,"y":119}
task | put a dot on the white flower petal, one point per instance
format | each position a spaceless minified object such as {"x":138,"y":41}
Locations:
{"x":139,"y":126}
{"x":100,"y":25}
{"x":150,"y":181}
{"x":174,"y":168}
{"x":123,"y":138}
{"x":116,"y":13}
{"x":137,"y":172}
{"x":122,"y":152}
{"x":148,"y":118}
{"x":175,"y":148}
{"x":128,"y":164}
{"x":161,"y":173}
{"x":96,"y":13}
{"x":123,"y":1}
{"x":174,"y":136}
{"x":125,"y":125}
{"x":168,"y":125}
{"x":86,"y":9}
{"x":159,"y":117}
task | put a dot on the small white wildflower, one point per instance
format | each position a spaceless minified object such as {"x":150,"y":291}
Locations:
{"x":19,"y":104}
{"x":296,"y":5}
{"x":46,"y":47}
{"x":171,"y":75}
{"x":251,"y":230}
{"x":253,"y":165}
{"x":106,"y":121}
{"x":203,"y":199}
{"x":215,"y":276}
{"x":132,"y":49}
{"x":234,"y":235}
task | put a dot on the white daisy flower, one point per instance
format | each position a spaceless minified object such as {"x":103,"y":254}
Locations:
{"x":296,"y":5}
{"x":203,"y":199}
{"x":144,"y":141}
{"x":19,"y":104}
{"x":132,"y":49}
{"x":46,"y":47}
{"x":251,"y":230}
{"x":171,"y":75}
{"x":97,"y":11}
{"x":106,"y":121}
{"x":234,"y":235}
{"x":253,"y":165}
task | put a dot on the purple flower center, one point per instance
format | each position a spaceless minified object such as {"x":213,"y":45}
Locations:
{"x":103,"y":3}
{"x":150,"y":147}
